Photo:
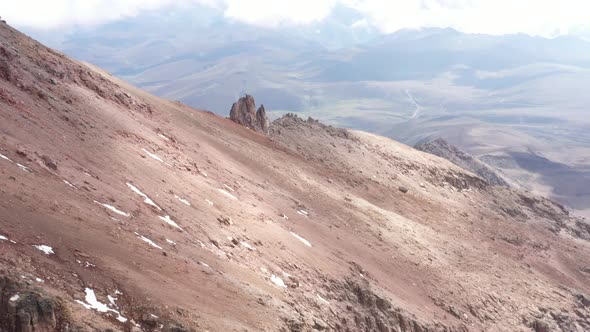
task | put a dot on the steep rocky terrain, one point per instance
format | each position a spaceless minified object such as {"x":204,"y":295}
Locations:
{"x":440,"y":147}
{"x":122,"y":211}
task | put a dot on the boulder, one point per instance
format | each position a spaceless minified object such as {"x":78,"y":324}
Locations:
{"x":244,"y":112}
{"x":49,"y":163}
{"x":25,"y":311}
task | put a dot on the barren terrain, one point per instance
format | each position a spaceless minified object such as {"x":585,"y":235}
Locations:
{"x":120,"y":210}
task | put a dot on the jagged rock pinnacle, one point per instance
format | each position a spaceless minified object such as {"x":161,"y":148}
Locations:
{"x":243,"y":112}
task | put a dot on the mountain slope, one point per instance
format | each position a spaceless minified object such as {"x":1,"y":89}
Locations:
{"x":136,"y":212}
{"x":508,"y":98}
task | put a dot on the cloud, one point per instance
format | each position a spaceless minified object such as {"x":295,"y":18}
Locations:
{"x":277,"y":12}
{"x":536,"y":17}
{"x":58,"y":13}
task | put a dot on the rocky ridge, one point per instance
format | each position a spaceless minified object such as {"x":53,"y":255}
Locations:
{"x":441,"y":148}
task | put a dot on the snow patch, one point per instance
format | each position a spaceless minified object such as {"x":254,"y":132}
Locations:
{"x":148,"y":241}
{"x":208,"y":201}
{"x":228,"y":187}
{"x":248,"y":246}
{"x":24,"y":168}
{"x":307,"y":243}
{"x":39,"y":280}
{"x":46,"y":249}
{"x":114,"y":209}
{"x":3,"y":238}
{"x":171,"y":242}
{"x":5,"y":158}
{"x":322,"y":299}
{"x":153,"y":156}
{"x":163,"y":137}
{"x":169,"y":221}
{"x":302,"y":212}
{"x":146,"y":199}
{"x":14,"y":298}
{"x":69,"y":184}
{"x":227,"y":194}
{"x":278,"y":281}
{"x":93,"y":304}
{"x":204,"y":264}
{"x":182,"y":200}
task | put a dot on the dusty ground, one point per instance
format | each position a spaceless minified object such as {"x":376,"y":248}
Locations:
{"x":310,"y":228}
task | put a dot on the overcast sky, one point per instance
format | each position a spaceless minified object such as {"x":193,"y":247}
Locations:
{"x":535,"y":17}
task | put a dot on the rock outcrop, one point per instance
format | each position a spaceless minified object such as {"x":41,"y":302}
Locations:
{"x":443,"y":149}
{"x":22,"y":310}
{"x":244,"y":112}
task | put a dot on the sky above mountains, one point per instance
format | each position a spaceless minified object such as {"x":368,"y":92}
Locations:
{"x":546,"y":18}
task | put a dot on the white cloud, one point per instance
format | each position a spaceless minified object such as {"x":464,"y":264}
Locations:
{"x":538,"y":17}
{"x":276,"y":12}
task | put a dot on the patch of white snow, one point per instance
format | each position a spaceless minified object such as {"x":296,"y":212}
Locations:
{"x":208,"y":201}
{"x":24,"y":168}
{"x":146,"y":199}
{"x":46,"y":249}
{"x":169,"y":221}
{"x":92,"y":303}
{"x":163,"y":137}
{"x":69,"y":184}
{"x":227,"y":194}
{"x":278,"y":281}
{"x":153,"y":156}
{"x":114,"y":209}
{"x":14,"y":298}
{"x":5,"y":158}
{"x":182,"y":200}
{"x":307,"y":243}
{"x":322,"y":299}
{"x":171,"y":242}
{"x":248,"y":246}
{"x":148,"y":241}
